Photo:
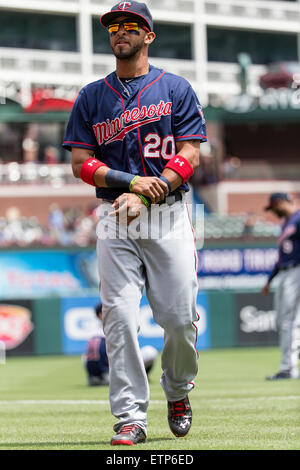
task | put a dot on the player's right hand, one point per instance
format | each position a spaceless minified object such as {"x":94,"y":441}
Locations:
{"x":152,"y":187}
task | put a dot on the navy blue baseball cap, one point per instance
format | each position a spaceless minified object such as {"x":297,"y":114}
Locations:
{"x":277,"y":197}
{"x":98,"y":309}
{"x":136,"y":10}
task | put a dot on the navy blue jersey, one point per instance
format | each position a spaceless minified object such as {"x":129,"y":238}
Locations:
{"x":289,"y":241}
{"x":95,"y":355}
{"x":133,"y":127}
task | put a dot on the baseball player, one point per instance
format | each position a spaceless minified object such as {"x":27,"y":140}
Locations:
{"x":287,"y":295}
{"x":95,"y":357}
{"x":135,"y":135}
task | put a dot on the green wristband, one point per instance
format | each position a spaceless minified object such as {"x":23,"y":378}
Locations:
{"x":132,"y":182}
{"x":145,"y":201}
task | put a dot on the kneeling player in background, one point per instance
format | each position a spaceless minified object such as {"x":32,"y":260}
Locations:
{"x":95,"y":357}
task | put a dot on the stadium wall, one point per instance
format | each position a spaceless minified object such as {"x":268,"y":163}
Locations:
{"x":234,"y":197}
{"x":47,"y":299}
{"x":63,"y":325}
{"x":36,"y":200}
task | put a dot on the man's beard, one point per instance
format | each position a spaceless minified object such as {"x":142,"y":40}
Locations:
{"x":129,"y":53}
{"x":280,"y":213}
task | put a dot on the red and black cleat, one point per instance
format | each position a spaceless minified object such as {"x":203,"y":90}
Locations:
{"x":180,"y":416}
{"x":128,"y":435}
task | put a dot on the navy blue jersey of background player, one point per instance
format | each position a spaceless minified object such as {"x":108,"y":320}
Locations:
{"x":133,"y":125}
{"x":289,"y":241}
{"x":289,"y":245}
{"x":95,"y":356}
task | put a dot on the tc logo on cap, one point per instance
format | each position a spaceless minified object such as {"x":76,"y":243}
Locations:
{"x":124,"y":5}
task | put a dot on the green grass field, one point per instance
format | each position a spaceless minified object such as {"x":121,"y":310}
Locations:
{"x":45,"y":404}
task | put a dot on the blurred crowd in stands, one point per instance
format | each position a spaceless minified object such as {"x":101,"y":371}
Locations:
{"x":68,"y":227}
{"x":65,"y":227}
{"x":37,"y":173}
{"x":74,"y":227}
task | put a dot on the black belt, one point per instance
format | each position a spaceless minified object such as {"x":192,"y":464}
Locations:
{"x":290,"y":266}
{"x":172,"y":198}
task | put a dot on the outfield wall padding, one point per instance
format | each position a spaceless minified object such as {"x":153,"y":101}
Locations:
{"x":47,"y":332}
{"x":222,"y":319}
{"x":62,"y":325}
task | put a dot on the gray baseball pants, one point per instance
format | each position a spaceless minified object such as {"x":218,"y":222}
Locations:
{"x":287,"y":305}
{"x":163,"y":264}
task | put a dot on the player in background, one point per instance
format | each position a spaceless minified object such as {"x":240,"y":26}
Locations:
{"x":287,"y":294}
{"x":95,"y":358}
{"x":136,"y":135}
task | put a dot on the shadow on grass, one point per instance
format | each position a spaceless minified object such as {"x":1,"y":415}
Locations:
{"x":159,"y":439}
{"x":45,"y":444}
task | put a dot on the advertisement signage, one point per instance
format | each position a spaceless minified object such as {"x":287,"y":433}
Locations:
{"x":153,"y":334}
{"x":37,"y":273}
{"x":79,"y":323}
{"x":69,"y":272}
{"x":235,"y":268}
{"x":16,"y":327}
{"x":255,"y":320}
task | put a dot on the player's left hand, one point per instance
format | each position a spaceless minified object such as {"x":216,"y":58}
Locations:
{"x":127,"y":207}
{"x":266,"y":289}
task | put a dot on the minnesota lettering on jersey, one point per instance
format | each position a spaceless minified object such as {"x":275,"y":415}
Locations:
{"x":111,"y":131}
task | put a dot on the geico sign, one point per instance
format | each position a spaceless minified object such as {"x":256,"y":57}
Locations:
{"x":148,"y":329}
{"x":80,"y":323}
{"x":253,"y":320}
